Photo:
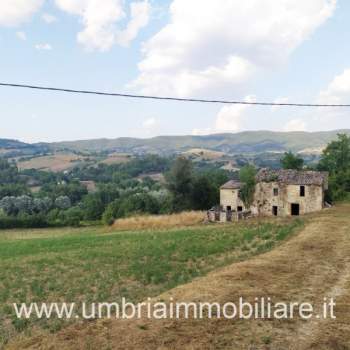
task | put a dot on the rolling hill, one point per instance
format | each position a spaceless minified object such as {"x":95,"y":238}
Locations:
{"x":239,"y":143}
{"x":243,"y":142}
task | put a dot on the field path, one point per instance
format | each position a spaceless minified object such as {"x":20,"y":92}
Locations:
{"x":312,"y":265}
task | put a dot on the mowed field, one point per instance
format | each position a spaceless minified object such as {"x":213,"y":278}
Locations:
{"x":105,"y":265}
{"x":311,"y":264}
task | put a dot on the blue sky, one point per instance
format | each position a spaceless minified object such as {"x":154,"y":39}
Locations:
{"x":294,"y":52}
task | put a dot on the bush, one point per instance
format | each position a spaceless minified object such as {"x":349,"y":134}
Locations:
{"x":70,"y":217}
{"x":109,"y":214}
{"x":139,"y":203}
{"x":23,"y":221}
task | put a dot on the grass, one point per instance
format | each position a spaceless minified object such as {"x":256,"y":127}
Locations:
{"x":88,"y":265}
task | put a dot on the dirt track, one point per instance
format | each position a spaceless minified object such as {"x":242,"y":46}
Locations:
{"x":312,"y":265}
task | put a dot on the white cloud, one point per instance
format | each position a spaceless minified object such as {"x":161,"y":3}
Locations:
{"x":184,"y":82}
{"x":14,"y":12}
{"x":149,"y":123}
{"x":43,"y":46}
{"x":100,"y":19}
{"x":230,"y":118}
{"x":326,"y":118}
{"x":139,"y":18}
{"x":211,"y":43}
{"x":295,"y":125}
{"x":48,"y":18}
{"x":207,"y":131}
{"x":338,"y":91}
{"x":21,"y":36}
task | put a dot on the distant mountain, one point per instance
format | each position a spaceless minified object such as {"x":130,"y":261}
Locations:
{"x":11,"y":144}
{"x":15,"y":148}
{"x":238,"y":143}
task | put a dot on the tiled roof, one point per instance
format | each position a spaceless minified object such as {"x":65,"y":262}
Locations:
{"x":293,"y":177}
{"x":231,"y":185}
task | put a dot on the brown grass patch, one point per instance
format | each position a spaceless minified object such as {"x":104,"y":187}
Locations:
{"x":117,"y":158}
{"x":54,"y":162}
{"x":150,"y":222}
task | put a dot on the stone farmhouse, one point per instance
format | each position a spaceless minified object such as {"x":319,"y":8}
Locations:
{"x":277,"y":193}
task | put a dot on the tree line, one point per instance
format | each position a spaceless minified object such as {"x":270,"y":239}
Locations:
{"x":63,"y":200}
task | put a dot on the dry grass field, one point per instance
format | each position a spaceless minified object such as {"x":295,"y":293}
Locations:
{"x":203,"y":153}
{"x":311,"y":265}
{"x":56,"y":162}
{"x":117,"y":158}
{"x":156,"y":222}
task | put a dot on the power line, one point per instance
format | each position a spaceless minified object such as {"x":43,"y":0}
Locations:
{"x":286,"y":104}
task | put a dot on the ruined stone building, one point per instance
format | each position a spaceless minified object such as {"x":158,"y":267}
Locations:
{"x":277,"y":192}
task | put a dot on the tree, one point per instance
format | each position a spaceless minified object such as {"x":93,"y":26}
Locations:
{"x":74,"y":190}
{"x":42,"y":205}
{"x":109,"y":214}
{"x":24,"y":204}
{"x":8,"y":206}
{"x":93,"y":206}
{"x":292,"y":161}
{"x":180,"y":183}
{"x":247,"y":178}
{"x":14,"y":189}
{"x":63,"y":202}
{"x":138,"y":203}
{"x":336,"y":160}
{"x":203,"y":193}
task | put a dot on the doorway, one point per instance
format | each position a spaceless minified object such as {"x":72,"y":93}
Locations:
{"x":295,"y":209}
{"x":275,"y":210}
{"x":239,"y":208}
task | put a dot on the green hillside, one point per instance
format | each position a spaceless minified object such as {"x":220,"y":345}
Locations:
{"x":243,"y":142}
{"x":239,"y":143}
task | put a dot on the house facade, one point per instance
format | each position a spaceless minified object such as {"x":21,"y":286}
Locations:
{"x":277,"y":193}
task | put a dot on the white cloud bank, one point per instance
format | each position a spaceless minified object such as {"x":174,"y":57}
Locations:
{"x":100,"y":19}
{"x":15,"y":12}
{"x":209,"y":44}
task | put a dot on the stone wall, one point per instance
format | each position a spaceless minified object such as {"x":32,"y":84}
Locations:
{"x":265,"y":199}
{"x":230,"y":198}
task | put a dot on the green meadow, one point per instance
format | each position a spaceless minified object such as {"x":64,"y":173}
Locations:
{"x":94,"y":265}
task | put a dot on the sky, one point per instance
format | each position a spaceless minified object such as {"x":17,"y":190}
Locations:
{"x":252,"y":50}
